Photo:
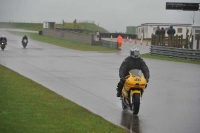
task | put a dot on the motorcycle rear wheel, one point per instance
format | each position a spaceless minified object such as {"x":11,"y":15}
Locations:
{"x":136,"y":103}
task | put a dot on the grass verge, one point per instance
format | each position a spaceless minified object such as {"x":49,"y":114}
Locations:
{"x":27,"y":107}
{"x":25,"y":26}
{"x":84,"y":26}
{"x":64,"y":43}
{"x":170,"y":59}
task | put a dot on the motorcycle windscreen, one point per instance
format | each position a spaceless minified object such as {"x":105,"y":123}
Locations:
{"x":136,"y":72}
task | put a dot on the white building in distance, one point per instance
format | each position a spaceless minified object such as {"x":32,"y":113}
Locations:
{"x":145,"y":30}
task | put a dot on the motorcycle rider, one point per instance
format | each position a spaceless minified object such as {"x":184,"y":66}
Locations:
{"x":134,"y":61}
{"x":25,"y":37}
{"x":3,"y":38}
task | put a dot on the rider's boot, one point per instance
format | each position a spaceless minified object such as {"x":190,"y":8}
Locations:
{"x":119,"y":92}
{"x":119,"y":88}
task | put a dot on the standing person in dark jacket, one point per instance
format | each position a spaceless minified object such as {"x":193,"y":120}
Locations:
{"x":171,"y":31}
{"x":162,"y":34}
{"x":134,"y":61}
{"x":158,"y":35}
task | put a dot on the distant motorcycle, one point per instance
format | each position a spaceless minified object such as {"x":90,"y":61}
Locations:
{"x":24,"y":42}
{"x":132,"y":91}
{"x":3,"y":44}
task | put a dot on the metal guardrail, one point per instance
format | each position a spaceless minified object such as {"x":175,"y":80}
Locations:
{"x":175,"y":52}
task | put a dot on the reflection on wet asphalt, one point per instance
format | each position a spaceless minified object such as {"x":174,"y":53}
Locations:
{"x":130,"y":121}
{"x":170,"y":103}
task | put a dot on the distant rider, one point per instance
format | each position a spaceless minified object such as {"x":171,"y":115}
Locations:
{"x":25,"y":37}
{"x":3,"y":38}
{"x":134,"y":61}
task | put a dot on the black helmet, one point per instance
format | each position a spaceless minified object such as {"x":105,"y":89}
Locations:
{"x":135,"y":52}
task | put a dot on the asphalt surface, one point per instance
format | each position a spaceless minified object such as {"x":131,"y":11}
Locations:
{"x":170,"y":104}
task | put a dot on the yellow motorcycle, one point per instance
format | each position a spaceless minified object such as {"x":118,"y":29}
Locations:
{"x":132,"y":91}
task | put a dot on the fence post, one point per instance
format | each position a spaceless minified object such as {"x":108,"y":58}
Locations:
{"x":181,"y":41}
{"x":198,"y":38}
{"x":175,"y":41}
{"x":192,"y":42}
{"x":156,"y":40}
{"x":163,"y":41}
{"x":178,"y":41}
{"x":186,"y":41}
{"x":152,"y":42}
{"x":167,"y":41}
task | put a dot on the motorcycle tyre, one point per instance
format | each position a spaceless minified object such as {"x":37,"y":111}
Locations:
{"x":24,"y":45}
{"x":3,"y":47}
{"x":136,"y":103}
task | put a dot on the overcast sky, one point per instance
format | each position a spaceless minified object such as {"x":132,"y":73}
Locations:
{"x":113,"y":15}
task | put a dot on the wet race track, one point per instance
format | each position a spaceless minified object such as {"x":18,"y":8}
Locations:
{"x":170,"y":104}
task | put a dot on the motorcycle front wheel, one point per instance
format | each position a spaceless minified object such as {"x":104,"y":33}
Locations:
{"x":136,"y":103}
{"x":24,"y":45}
{"x":2,"y":47}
